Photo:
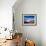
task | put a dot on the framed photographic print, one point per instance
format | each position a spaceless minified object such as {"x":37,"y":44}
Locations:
{"x":29,"y":19}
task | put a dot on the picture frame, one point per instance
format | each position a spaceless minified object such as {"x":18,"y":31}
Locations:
{"x":29,"y":19}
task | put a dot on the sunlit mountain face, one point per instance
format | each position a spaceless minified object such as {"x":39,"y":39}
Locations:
{"x":28,"y":19}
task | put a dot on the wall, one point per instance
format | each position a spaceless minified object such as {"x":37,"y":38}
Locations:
{"x":43,"y":22}
{"x":29,"y":32}
{"x":6,"y":13}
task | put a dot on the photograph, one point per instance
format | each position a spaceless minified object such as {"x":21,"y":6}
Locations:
{"x":29,"y":19}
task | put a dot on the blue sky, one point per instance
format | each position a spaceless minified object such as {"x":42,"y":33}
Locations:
{"x":28,"y":17}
